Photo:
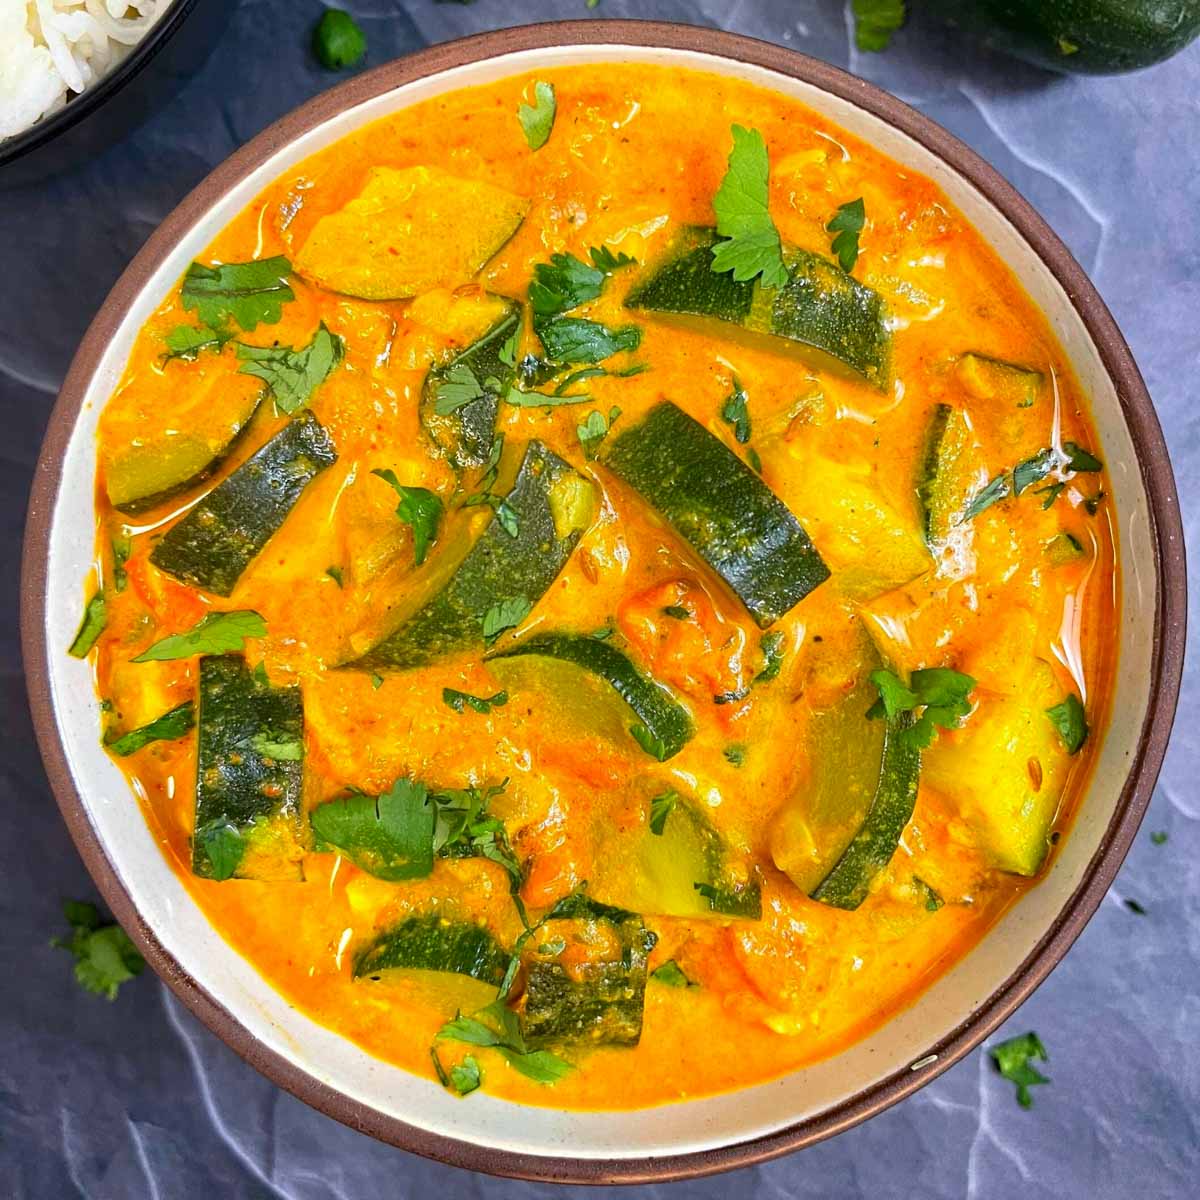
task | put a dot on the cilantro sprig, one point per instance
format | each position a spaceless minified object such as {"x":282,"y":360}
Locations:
{"x":247,"y":293}
{"x":735,"y":412}
{"x":419,"y":508}
{"x":500,"y":1030}
{"x":95,"y":617}
{"x":848,"y":225}
{"x":167,"y":728}
{"x":293,"y":375}
{"x":1014,"y":1060}
{"x":104,"y":956}
{"x":217,"y":633}
{"x":1073,"y":459}
{"x":751,"y":246}
{"x":936,"y":696}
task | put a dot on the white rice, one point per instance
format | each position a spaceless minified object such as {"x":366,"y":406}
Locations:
{"x":51,"y":50}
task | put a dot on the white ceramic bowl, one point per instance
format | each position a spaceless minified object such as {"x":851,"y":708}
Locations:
{"x":491,"y":1134}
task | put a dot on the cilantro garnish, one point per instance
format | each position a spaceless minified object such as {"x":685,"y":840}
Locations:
{"x":671,"y":975}
{"x":506,"y":614}
{"x":677,"y":612}
{"x":1159,"y":837}
{"x":186,"y":342}
{"x":104,"y":956}
{"x":247,"y":292}
{"x":338,"y":42}
{"x":388,"y":836}
{"x":457,"y":388}
{"x":293,"y":375}
{"x":564,"y":283}
{"x":218,"y":633}
{"x":459,"y":701}
{"x":279,"y":746}
{"x":95,"y":617}
{"x":419,"y":508}
{"x":580,"y":340}
{"x":171,"y":725}
{"x":1013,"y":1061}
{"x":661,"y":807}
{"x":538,"y":1065}
{"x":940,"y":693}
{"x":335,"y":573}
{"x":771,"y":646}
{"x":224,"y":847}
{"x":1069,"y":719}
{"x":848,"y":224}
{"x":735,"y":754}
{"x":933,"y":901}
{"x":875,"y":21}
{"x":735,"y":414}
{"x":464,"y":1077}
{"x":537,"y":119}
{"x":122,"y":547}
{"x":751,"y":245}
{"x":608,"y":262}
{"x":1033,"y":470}
{"x":594,"y":428}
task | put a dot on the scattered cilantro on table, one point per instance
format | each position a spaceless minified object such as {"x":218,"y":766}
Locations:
{"x":875,"y":21}
{"x":104,"y":956}
{"x":293,"y":375}
{"x":1014,"y":1059}
{"x":337,"y":40}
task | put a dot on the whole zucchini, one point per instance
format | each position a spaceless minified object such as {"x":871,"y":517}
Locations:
{"x":1095,"y":37}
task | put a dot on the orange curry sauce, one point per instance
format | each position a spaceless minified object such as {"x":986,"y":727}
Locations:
{"x":635,"y":152}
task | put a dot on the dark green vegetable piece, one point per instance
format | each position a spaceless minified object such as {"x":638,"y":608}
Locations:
{"x":819,"y":306}
{"x":95,"y":617}
{"x":167,"y":728}
{"x":217,"y":540}
{"x":249,"y":768}
{"x":1094,"y":37}
{"x":599,"y":1002}
{"x":338,"y":42}
{"x":871,"y":849}
{"x":497,"y":567}
{"x":1069,"y":720}
{"x":433,"y":943}
{"x":460,"y":398}
{"x":721,"y":508}
{"x":664,"y":719}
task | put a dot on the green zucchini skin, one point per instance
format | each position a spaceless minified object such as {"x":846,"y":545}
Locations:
{"x":820,"y":306}
{"x":237,"y":787}
{"x":721,"y":508}
{"x":465,"y":435}
{"x":1094,"y":37}
{"x":433,"y":943}
{"x":217,"y":540}
{"x":662,"y":715}
{"x":871,"y":849}
{"x":596,"y":1004}
{"x":496,"y":567}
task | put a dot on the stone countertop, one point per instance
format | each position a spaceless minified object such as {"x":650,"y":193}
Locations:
{"x":136,"y":1099}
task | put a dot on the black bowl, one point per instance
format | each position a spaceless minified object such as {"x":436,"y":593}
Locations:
{"x":155,"y":69}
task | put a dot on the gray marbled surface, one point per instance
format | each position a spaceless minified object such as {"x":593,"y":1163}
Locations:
{"x":136,"y":1099}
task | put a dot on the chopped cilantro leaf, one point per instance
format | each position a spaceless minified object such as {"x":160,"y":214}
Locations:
{"x":223,"y":846}
{"x":338,"y":42}
{"x":594,"y":429}
{"x":1079,"y":459}
{"x":481,"y":704}
{"x":104,"y":956}
{"x":376,"y":682}
{"x":1159,"y":837}
{"x":122,"y":547}
{"x":932,"y":900}
{"x":459,"y":387}
{"x":537,"y":119}
{"x":735,"y":414}
{"x":186,"y":342}
{"x":278,"y":746}
{"x":171,"y":725}
{"x":506,"y":614}
{"x":466,"y":1076}
{"x":661,"y":808}
{"x":538,"y":1065}
{"x":218,"y":633}
{"x":247,"y":293}
{"x":848,"y":224}
{"x":736,"y":753}
{"x":1013,"y":1060}
{"x":1070,"y":720}
{"x":564,"y":283}
{"x":579,"y":340}
{"x":95,"y":617}
{"x":293,"y":375}
{"x":939,"y":692}
{"x":608,"y":262}
{"x":750,"y":245}
{"x":335,"y":573}
{"x":771,"y":646}
{"x":670,"y":974}
{"x":388,"y":836}
{"x":419,"y":508}
{"x":677,"y":612}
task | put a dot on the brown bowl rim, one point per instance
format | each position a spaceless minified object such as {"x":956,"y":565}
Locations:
{"x":1169,"y":617}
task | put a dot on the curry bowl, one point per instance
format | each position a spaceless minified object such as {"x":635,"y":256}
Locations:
{"x":724,"y":1129}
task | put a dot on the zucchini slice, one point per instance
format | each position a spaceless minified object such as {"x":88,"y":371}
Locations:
{"x":1001,"y":382}
{"x":408,"y":231}
{"x":465,"y":434}
{"x":820,"y":306}
{"x":217,"y":540}
{"x":1006,"y":770}
{"x":721,"y":508}
{"x":447,"y":611}
{"x":872,"y":847}
{"x":434,"y":943}
{"x":593,"y":991}
{"x":665,"y":726}
{"x":143,"y":471}
{"x":951,"y":470}
{"x":249,"y":767}
{"x":687,"y":870}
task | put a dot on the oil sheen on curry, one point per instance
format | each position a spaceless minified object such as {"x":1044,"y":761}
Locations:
{"x":603,"y":586}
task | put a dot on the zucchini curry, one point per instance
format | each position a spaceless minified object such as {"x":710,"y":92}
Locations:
{"x":603,"y":583}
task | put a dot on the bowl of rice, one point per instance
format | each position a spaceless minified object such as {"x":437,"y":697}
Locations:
{"x":76,"y":75}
